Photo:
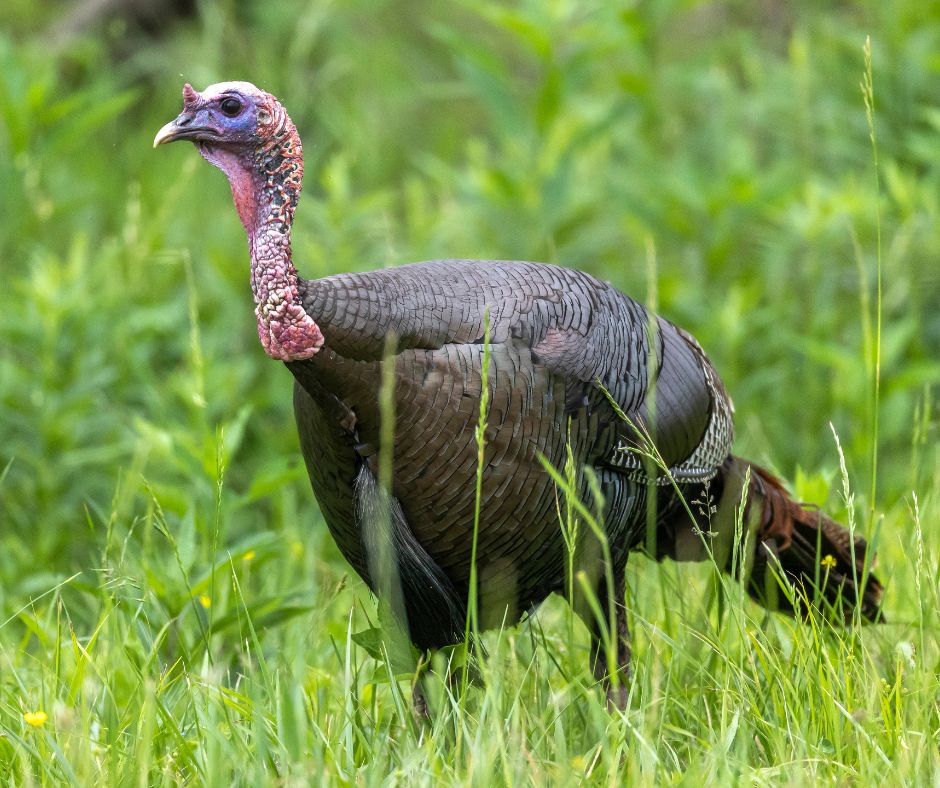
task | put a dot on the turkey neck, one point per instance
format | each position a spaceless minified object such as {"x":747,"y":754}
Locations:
{"x":266,"y":189}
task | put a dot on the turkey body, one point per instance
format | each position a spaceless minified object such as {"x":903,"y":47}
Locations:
{"x":560,"y":343}
{"x":579,"y":376}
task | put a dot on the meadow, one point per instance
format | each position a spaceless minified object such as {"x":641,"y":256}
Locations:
{"x":172,"y":607}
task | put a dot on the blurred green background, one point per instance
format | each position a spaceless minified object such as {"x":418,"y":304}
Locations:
{"x":710,"y":157}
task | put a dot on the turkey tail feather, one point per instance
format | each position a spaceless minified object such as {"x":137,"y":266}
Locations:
{"x":819,"y":558}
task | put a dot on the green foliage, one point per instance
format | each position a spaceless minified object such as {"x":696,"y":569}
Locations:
{"x":169,"y":595}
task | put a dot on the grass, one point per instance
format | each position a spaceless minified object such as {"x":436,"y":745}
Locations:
{"x":169,"y":595}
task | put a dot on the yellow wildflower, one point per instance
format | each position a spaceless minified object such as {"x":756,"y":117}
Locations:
{"x":205,"y":600}
{"x":249,"y":555}
{"x":35,"y":718}
{"x":828,"y":562}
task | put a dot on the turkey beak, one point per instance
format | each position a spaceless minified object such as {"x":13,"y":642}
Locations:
{"x":171,"y":131}
{"x":186,"y":126}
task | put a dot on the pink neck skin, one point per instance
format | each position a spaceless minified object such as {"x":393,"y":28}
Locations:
{"x":265,"y":188}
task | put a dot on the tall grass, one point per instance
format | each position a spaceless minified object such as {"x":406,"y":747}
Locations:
{"x":874,"y":356}
{"x":169,"y":596}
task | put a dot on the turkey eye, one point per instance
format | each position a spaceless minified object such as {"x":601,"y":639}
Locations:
{"x":230,"y":106}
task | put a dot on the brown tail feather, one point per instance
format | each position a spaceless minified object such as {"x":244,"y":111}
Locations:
{"x":815,"y":554}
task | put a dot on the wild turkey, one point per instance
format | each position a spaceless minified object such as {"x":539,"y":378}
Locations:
{"x":573,"y":363}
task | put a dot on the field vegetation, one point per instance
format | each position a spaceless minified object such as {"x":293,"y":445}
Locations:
{"x":172,"y":607}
